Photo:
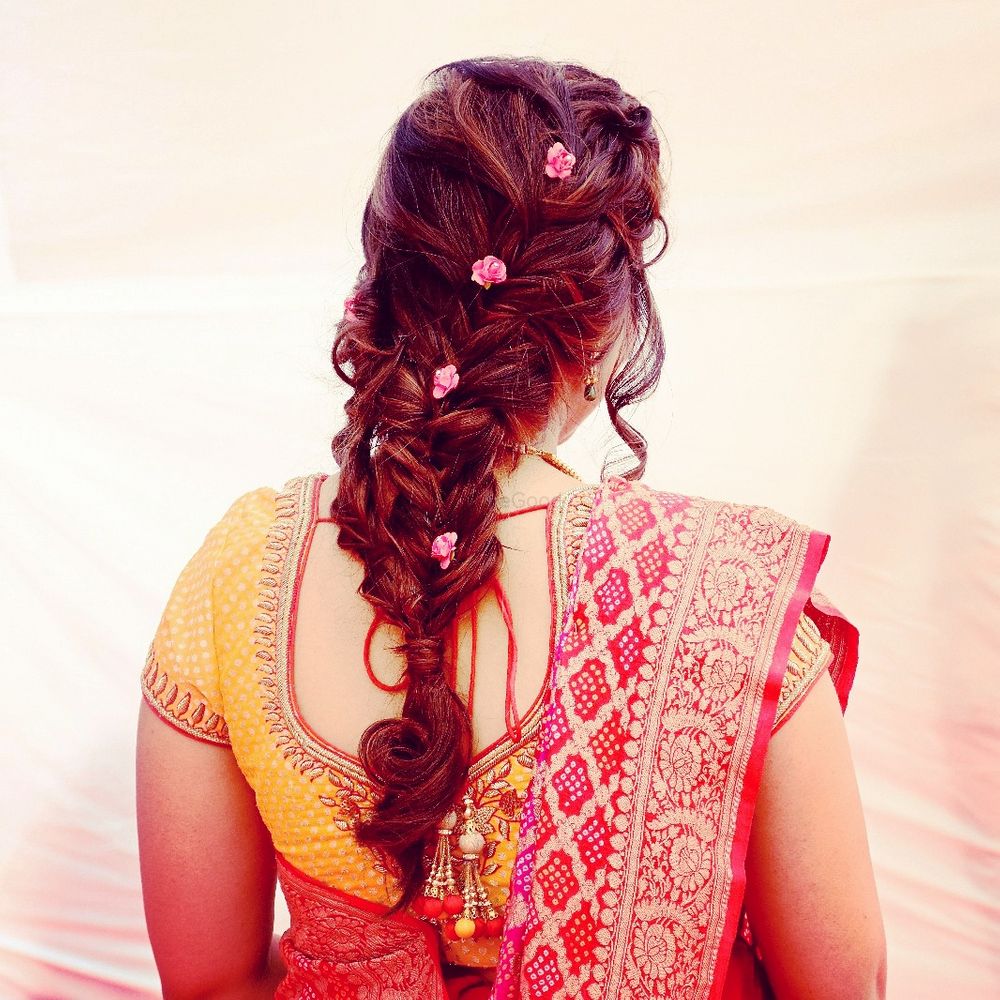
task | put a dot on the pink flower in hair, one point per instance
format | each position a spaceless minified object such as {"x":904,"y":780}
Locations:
{"x":559,"y":161}
{"x":445,"y":379}
{"x":443,"y":546}
{"x":349,"y":303}
{"x":488,"y":271}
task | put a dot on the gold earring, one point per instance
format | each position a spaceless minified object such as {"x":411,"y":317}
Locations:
{"x":590,"y":383}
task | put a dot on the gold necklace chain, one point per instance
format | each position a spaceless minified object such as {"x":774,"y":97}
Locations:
{"x":547,"y":456}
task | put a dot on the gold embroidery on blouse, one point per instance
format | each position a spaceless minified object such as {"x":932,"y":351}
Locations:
{"x":809,"y":656}
{"x":181,"y":704}
{"x":570,"y":516}
{"x":286,"y":539}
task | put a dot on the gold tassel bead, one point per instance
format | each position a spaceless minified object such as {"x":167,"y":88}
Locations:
{"x":440,"y":893}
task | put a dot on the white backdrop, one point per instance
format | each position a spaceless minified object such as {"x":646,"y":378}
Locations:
{"x":180,"y":196}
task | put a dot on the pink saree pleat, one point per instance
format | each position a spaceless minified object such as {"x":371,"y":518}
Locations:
{"x":629,"y":875}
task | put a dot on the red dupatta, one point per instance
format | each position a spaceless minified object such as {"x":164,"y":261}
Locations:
{"x":629,"y":875}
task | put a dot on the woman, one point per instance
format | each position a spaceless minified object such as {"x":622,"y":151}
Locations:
{"x":542,"y":784}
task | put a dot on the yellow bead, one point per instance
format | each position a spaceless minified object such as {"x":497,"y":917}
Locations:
{"x":465,"y":928}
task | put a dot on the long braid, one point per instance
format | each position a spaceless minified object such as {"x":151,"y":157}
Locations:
{"x":460,"y":179}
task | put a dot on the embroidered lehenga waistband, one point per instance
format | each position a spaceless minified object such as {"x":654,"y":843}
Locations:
{"x":342,"y":946}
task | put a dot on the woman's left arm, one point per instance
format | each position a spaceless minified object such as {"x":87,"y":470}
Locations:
{"x":208,"y":869}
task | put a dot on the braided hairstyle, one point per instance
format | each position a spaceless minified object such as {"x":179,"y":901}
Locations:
{"x":462,"y":177}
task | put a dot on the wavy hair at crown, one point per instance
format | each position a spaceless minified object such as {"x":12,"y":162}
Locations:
{"x":463,"y":176}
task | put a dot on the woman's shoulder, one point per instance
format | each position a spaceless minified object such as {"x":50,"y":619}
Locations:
{"x":256,"y":507}
{"x":251,"y":504}
{"x":262,"y":498}
{"x":751,"y":513}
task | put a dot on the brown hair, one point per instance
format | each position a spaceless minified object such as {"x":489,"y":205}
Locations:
{"x":462,"y":177}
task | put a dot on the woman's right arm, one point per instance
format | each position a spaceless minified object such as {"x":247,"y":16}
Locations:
{"x":208,"y":869}
{"x":810,"y":896}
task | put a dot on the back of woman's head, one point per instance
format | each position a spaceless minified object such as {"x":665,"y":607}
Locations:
{"x":464,"y":177}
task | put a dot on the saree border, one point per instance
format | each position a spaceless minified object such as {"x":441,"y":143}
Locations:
{"x":801,"y":578}
{"x":320,"y":890}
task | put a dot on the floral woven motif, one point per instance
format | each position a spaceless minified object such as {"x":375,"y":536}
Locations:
{"x":340,"y":948}
{"x":629,"y":875}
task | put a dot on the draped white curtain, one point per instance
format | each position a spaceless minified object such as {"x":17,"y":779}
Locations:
{"x":180,"y":196}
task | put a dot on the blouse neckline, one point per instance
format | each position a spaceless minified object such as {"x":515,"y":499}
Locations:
{"x":313,"y":744}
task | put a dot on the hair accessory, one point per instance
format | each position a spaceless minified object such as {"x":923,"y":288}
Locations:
{"x":559,"y":161}
{"x":349,"y":303}
{"x":443,"y":546}
{"x":445,"y":379}
{"x":489,"y":270}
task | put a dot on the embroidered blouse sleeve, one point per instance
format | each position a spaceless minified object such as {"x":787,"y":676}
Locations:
{"x":180,"y":680}
{"x":810,"y":655}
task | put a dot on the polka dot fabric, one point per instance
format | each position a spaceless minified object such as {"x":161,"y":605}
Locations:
{"x":181,"y":678}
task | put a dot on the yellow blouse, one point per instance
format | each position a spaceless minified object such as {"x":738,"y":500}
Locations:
{"x":217,"y":670}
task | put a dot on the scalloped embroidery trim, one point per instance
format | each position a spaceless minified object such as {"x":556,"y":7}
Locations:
{"x":181,"y":704}
{"x":271,"y":625}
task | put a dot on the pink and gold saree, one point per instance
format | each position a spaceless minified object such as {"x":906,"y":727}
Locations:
{"x":629,"y":873}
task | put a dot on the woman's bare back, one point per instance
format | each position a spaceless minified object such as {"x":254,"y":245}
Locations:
{"x":333,"y":693}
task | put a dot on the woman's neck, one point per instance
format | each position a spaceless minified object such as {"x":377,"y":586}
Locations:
{"x":532,"y":481}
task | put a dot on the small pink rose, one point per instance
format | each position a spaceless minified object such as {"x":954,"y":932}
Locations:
{"x":445,"y":379}
{"x":559,"y":161}
{"x":443,"y":546}
{"x":490,"y":270}
{"x":349,"y":303}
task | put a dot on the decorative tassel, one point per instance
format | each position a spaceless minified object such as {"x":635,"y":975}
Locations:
{"x":465,"y":912}
{"x":479,"y":918}
{"x":440,"y":898}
